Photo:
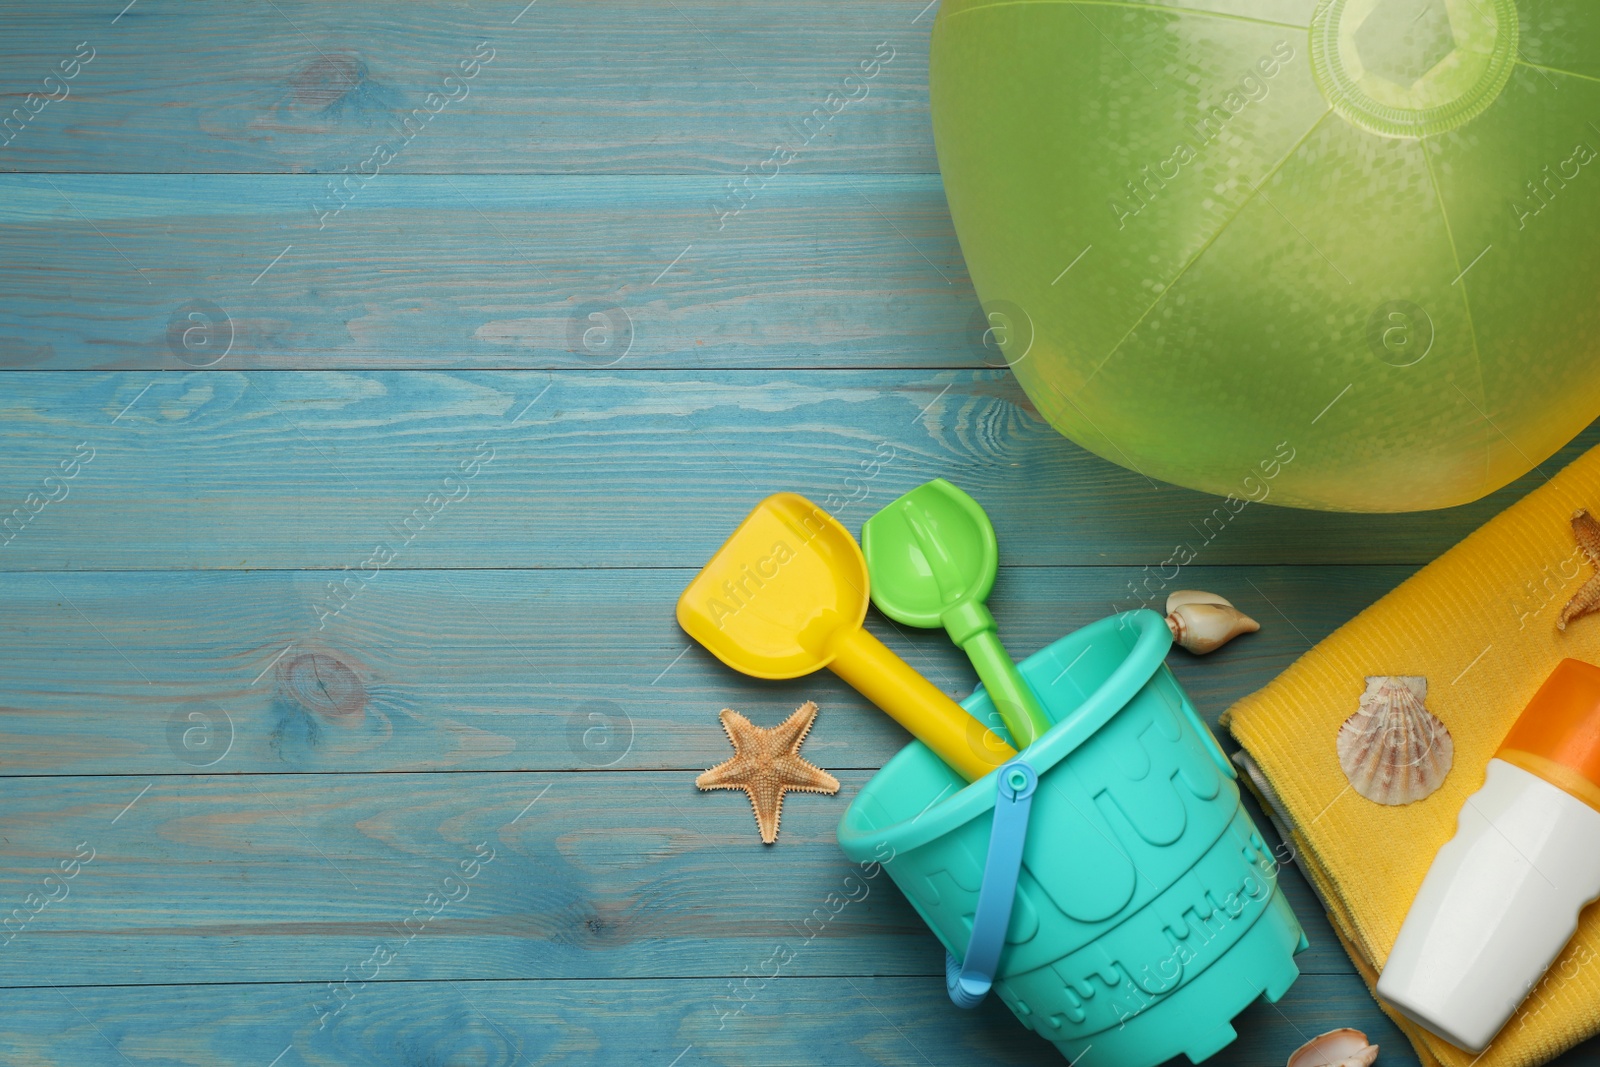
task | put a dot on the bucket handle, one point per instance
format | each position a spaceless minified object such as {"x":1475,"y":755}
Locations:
{"x":968,"y":982}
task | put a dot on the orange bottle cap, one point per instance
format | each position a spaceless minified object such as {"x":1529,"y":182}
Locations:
{"x":1557,"y":736}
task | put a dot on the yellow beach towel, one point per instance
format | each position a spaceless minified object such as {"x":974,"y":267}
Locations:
{"x":1480,"y":624}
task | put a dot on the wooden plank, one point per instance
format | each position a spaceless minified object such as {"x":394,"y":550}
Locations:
{"x":140,"y":674}
{"x":495,"y":670}
{"x":439,"y":271}
{"x":158,"y":674}
{"x":584,"y":469}
{"x":793,"y":1022}
{"x":312,"y":85}
{"x":294,"y":877}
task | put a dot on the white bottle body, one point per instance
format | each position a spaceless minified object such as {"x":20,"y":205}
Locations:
{"x":1498,"y":904}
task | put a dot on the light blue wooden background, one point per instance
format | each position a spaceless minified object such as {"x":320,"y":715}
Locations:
{"x":513,"y":676}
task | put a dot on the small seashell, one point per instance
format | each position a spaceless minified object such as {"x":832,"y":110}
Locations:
{"x":1179,"y":597}
{"x":1393,"y":749}
{"x":1336,"y":1048}
{"x":1204,"y":622}
{"x":1586,"y":601}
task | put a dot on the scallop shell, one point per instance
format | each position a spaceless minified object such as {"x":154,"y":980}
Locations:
{"x":1393,"y":749}
{"x":1204,"y":622}
{"x":1336,"y":1048}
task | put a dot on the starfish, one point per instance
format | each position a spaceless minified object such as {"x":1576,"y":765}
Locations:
{"x":1586,"y":601}
{"x":767,"y":763}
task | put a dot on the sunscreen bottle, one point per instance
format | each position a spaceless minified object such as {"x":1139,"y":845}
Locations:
{"x":1503,"y":895}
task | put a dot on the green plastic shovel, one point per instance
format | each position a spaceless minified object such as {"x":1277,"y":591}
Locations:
{"x":932,"y":557}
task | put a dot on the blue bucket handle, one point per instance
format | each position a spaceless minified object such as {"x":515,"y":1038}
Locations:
{"x":969,"y":981}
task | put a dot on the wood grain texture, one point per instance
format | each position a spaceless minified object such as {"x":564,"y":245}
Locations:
{"x":609,"y":468}
{"x":436,"y":671}
{"x":579,"y":281}
{"x":442,"y":271}
{"x":159,"y":674}
{"x":793,"y":1022}
{"x":646,"y":86}
{"x":223,"y":878}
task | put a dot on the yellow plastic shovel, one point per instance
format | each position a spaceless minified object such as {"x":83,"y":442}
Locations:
{"x":786,"y":595}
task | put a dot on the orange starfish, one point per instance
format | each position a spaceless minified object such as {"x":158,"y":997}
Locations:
{"x":767,"y":763}
{"x":1586,"y":601}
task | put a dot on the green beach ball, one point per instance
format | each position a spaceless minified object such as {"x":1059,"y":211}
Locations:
{"x":1212,"y":234}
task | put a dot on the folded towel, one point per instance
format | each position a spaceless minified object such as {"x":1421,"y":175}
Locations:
{"x":1480,"y":624}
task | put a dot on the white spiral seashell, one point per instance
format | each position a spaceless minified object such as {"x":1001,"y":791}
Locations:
{"x":1393,"y":749}
{"x":1204,"y":622}
{"x":1179,"y":597}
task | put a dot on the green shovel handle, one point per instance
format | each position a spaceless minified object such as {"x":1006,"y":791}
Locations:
{"x":1018,"y":707}
{"x":973,"y":628}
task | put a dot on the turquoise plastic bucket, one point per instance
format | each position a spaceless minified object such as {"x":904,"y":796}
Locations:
{"x":1147,"y":913}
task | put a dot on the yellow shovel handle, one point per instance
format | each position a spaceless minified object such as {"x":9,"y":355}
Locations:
{"x":968,"y":746}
